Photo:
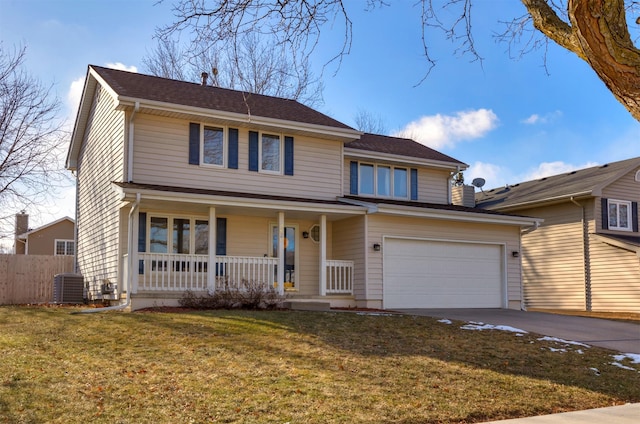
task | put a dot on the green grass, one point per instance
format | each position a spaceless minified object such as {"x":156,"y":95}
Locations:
{"x":283,"y":366}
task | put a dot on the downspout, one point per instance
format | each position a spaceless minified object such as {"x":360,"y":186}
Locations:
{"x":136,"y":108}
{"x":585,"y":253}
{"x":131,"y":266}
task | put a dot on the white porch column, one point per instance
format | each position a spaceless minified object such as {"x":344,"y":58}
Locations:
{"x":133,"y":266}
{"x":323,"y":255}
{"x":211,"y":268}
{"x":281,"y":252}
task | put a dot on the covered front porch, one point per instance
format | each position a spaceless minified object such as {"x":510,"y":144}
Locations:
{"x":287,"y":247}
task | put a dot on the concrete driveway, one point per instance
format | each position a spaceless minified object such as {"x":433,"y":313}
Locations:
{"x":620,"y":336}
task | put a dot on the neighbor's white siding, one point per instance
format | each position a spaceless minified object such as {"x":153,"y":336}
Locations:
{"x":615,"y":278}
{"x":161,"y":156}
{"x":101,"y":161}
{"x":553,"y":274}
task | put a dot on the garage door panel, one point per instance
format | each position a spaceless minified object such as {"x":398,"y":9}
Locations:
{"x":433,"y":274}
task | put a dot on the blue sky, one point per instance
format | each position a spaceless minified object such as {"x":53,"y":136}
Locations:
{"x":508,"y":119}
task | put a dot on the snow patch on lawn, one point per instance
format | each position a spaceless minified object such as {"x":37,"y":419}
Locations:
{"x":557,"y":340}
{"x":445,"y":321}
{"x":479,"y":326}
{"x":633,"y":357}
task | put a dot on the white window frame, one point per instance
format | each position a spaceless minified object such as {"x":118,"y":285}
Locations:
{"x":170,"y":219}
{"x":225,"y":145}
{"x":66,"y":246}
{"x":392,"y":170}
{"x":626,"y":203}
{"x":280,"y":170}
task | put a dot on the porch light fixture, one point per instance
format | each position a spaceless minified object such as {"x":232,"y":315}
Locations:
{"x":376,"y":247}
{"x":515,"y":254}
{"x":305,"y":234}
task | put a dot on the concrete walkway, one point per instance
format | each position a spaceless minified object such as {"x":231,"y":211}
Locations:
{"x":623,"y":414}
{"x":620,"y":336}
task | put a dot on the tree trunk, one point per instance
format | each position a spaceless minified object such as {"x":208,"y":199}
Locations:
{"x":598,"y":34}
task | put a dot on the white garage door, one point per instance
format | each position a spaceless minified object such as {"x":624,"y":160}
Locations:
{"x":437,"y":274}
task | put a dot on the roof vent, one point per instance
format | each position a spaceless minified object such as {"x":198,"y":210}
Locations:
{"x":204,"y":76}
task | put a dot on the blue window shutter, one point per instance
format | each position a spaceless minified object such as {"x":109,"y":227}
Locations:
{"x":253,"y":151}
{"x":232,"y":163}
{"x":634,"y":216}
{"x":221,"y":236}
{"x":142,"y":238}
{"x":353,"y":176}
{"x":414,"y":184}
{"x":288,"y":156}
{"x":194,"y":144}
{"x":605,"y":214}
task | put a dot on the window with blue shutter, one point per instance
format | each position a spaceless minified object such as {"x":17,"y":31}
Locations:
{"x":142,"y":238}
{"x":288,"y":156}
{"x":353,"y":178}
{"x":414,"y":184}
{"x":232,"y":162}
{"x":253,"y":151}
{"x":194,"y":144}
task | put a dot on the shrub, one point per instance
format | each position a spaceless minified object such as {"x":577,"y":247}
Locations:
{"x":248,"y":295}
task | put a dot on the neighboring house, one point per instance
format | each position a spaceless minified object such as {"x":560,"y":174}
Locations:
{"x":185,"y":186}
{"x":586,"y":254}
{"x":55,"y":238}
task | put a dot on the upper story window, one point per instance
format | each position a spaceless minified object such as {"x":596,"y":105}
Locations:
{"x":270,"y":153}
{"x":619,"y":215}
{"x":64,"y":247}
{"x":381,"y":180}
{"x":213,"y":146}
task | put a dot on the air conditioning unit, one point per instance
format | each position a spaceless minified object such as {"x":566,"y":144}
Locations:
{"x":68,"y":288}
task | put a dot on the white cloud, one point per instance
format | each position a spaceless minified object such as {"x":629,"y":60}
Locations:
{"x":439,"y":131}
{"x":547,"y":169}
{"x":542,"y":119}
{"x":122,"y":67}
{"x":74,"y":94}
{"x":494,"y":175}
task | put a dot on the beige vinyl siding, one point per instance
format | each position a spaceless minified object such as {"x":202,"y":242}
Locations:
{"x":101,"y":161}
{"x":432,"y":183}
{"x":349,"y":244}
{"x":161,"y":153}
{"x":381,"y":226}
{"x":553,"y":273}
{"x":615,"y":278}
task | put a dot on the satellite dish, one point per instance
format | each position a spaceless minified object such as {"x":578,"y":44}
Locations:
{"x":478,"y":182}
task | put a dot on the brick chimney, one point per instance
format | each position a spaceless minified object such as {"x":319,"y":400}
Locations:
{"x":463,"y":195}
{"x":22,"y":226}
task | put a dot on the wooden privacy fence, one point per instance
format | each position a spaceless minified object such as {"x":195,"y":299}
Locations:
{"x":29,"y":279}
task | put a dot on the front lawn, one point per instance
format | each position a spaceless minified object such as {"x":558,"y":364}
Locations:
{"x":284,"y":366}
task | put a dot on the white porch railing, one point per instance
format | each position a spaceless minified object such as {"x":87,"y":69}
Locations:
{"x":339,"y":277}
{"x":179,"y":272}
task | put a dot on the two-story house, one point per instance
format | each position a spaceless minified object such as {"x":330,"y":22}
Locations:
{"x":183,"y":186}
{"x":55,"y":238}
{"x":586,"y":254}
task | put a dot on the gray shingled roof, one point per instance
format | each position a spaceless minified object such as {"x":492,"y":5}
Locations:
{"x":399,"y":146}
{"x":575,"y":183}
{"x":140,"y":86}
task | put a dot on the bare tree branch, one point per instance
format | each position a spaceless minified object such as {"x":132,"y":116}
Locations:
{"x":31,"y":136}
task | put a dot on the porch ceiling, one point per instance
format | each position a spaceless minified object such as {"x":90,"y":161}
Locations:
{"x":197,"y":201}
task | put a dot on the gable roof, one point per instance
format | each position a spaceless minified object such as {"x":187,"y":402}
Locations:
{"x":24,"y":236}
{"x":583,"y":182}
{"x":399,"y":146}
{"x":139,"y":86}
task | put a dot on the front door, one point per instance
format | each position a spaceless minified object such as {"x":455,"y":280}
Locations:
{"x":289,"y":254}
